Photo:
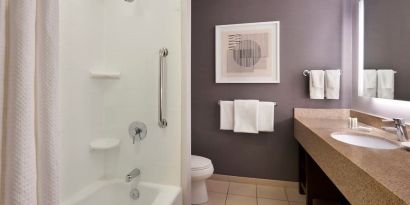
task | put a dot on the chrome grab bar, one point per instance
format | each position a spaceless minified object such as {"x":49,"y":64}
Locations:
{"x":163,"y":53}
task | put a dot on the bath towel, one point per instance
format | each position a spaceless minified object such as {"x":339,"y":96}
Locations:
{"x":385,"y":84}
{"x":369,"y":83}
{"x":332,"y":78}
{"x":226,"y":115}
{"x":266,"y":116}
{"x":246,"y":116}
{"x":316,"y":84}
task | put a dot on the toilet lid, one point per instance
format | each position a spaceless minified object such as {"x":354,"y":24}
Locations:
{"x":200,"y":163}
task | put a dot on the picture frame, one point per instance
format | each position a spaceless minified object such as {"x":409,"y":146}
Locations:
{"x":247,"y":53}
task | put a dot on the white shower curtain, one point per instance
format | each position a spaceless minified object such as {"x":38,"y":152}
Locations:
{"x":30,"y":131}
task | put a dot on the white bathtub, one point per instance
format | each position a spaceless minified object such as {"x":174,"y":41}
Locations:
{"x":116,"y":192}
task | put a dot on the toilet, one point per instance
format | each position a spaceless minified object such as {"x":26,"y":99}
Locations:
{"x":201,"y":169}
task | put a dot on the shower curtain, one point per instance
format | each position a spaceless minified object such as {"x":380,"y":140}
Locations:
{"x":28,"y":98}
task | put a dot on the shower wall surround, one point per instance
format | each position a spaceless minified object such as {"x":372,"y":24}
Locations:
{"x":311,"y":37}
{"x":81,"y":109}
{"x":121,"y":37}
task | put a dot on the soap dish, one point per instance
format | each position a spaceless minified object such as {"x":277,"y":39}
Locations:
{"x":405,"y":145}
{"x":104,"y":143}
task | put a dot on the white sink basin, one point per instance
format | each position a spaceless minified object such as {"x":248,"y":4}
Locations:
{"x":363,"y":140}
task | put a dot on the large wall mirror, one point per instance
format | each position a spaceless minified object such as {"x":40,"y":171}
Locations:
{"x":384,"y":49}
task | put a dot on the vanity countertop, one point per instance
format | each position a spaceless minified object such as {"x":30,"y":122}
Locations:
{"x":363,"y":175}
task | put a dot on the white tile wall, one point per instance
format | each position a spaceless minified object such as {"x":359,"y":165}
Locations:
{"x":134,"y":35}
{"x":82,"y":47}
{"x":114,"y":35}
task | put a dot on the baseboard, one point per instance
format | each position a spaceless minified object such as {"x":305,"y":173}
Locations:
{"x":257,"y":181}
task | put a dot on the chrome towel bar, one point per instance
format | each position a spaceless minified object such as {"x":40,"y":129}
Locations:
{"x":219,"y":102}
{"x":307,"y":72}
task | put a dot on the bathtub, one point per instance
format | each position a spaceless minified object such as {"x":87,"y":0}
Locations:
{"x":116,"y":192}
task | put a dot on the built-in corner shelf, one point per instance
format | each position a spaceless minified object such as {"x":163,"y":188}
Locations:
{"x":105,"y":75}
{"x":104,"y":143}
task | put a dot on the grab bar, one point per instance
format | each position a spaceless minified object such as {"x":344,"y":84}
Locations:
{"x":162,"y":122}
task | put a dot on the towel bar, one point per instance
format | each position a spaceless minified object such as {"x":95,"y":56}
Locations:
{"x":219,"y":102}
{"x":394,"y":71}
{"x":307,"y":72}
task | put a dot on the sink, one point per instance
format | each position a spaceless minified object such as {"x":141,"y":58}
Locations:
{"x":364,"y":140}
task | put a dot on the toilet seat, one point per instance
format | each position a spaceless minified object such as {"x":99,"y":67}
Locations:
{"x":200,"y":163}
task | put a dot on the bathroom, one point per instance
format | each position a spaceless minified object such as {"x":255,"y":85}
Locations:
{"x":163,"y":102}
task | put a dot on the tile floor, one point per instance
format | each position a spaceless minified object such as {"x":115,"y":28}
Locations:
{"x":232,"y":193}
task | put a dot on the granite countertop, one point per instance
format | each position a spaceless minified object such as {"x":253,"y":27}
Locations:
{"x":363,"y":175}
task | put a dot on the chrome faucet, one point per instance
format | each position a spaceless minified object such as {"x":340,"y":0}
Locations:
{"x":132,"y":175}
{"x":401,"y":128}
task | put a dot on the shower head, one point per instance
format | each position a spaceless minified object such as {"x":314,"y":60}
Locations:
{"x":129,"y":1}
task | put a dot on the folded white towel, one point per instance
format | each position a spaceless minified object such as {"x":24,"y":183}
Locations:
{"x":246,"y":116}
{"x":385,"y":84}
{"x":332,"y":78}
{"x":316,"y":84}
{"x":226,"y":115}
{"x":266,"y":116}
{"x":369,"y":83}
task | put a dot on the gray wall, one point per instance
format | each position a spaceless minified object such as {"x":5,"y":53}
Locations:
{"x":387,"y":40}
{"x":311,"y":37}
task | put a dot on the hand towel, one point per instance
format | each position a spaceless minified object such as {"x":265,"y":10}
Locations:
{"x":266,"y":116}
{"x":332,"y":79}
{"x":316,"y":84}
{"x":385,"y":84}
{"x":226,"y":115}
{"x":246,"y":116}
{"x":369,"y":83}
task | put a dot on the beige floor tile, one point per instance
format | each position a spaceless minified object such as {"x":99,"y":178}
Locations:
{"x":242,"y":189}
{"x":217,"y":186}
{"x":216,"y":199}
{"x":240,"y":200}
{"x":271,"y":192}
{"x":269,"y":182}
{"x":220,"y":177}
{"x":245,"y":180}
{"x":271,"y":202}
{"x":294,"y":196}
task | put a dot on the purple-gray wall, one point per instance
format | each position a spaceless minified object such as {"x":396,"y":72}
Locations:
{"x":387,"y":42}
{"x":311,"y":37}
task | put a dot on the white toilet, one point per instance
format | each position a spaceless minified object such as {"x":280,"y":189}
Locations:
{"x":201,"y":169}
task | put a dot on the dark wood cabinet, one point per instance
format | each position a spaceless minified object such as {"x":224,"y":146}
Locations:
{"x":314,"y":182}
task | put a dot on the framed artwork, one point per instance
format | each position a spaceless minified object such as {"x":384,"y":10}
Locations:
{"x":247,"y":53}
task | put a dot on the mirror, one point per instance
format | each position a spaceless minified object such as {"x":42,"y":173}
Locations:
{"x":384,"y":49}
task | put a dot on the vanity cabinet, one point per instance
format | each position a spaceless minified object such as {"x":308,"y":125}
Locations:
{"x":333,"y":170}
{"x":315,"y":183}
